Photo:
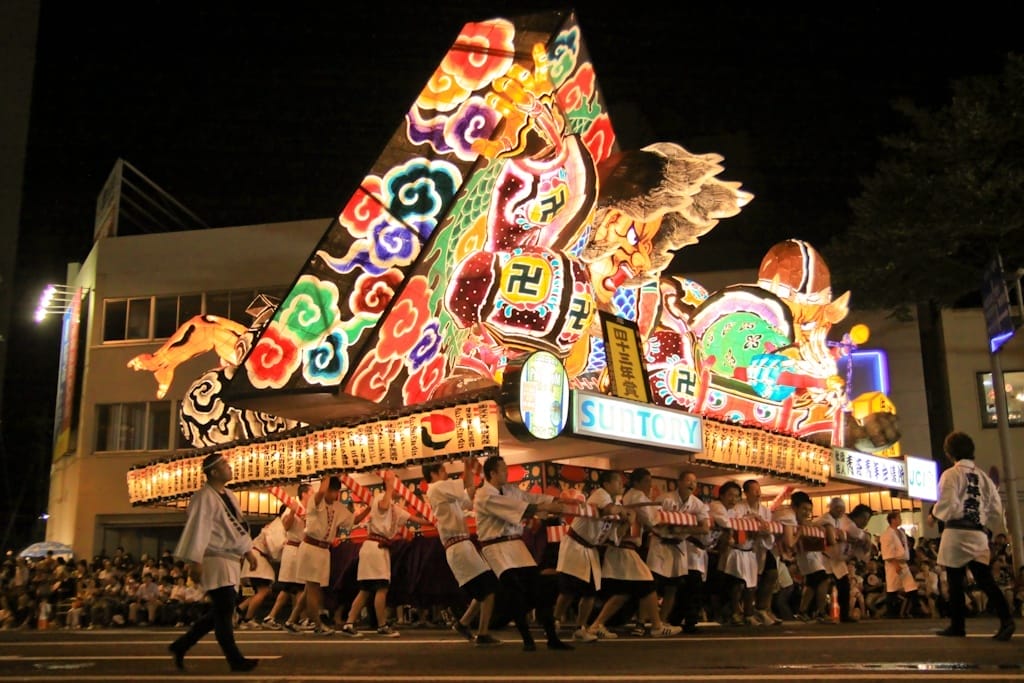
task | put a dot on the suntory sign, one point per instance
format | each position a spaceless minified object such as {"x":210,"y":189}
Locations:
{"x":606,"y":417}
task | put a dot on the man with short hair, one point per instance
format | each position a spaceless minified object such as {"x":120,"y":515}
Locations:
{"x":449,"y":499}
{"x":764,"y":541}
{"x":323,"y":520}
{"x":968,"y":501}
{"x":579,"y":562}
{"x":677,"y":556}
{"x":896,"y":556}
{"x":625,"y":574}
{"x":501,"y":509}
{"x":849,"y":538}
{"x":291,"y":589}
{"x":373,"y":573}
{"x":214,"y":542}
{"x":808,"y":552}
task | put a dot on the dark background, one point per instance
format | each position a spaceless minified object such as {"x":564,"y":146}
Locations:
{"x":251,"y":114}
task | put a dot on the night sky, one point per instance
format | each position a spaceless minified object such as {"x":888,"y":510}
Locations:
{"x":252,"y":115}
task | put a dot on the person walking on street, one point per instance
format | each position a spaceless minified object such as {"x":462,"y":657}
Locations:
{"x":896,"y":556}
{"x":968,"y":501}
{"x":387,"y":518}
{"x":291,"y":589}
{"x":450,"y":499}
{"x":323,"y":519}
{"x":214,"y":542}
{"x":501,"y":508}
{"x":579,"y":559}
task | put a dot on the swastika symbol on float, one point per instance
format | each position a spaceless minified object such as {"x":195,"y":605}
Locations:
{"x":525,"y":280}
{"x":580,"y":312}
{"x":551,"y":205}
{"x":684,"y":382}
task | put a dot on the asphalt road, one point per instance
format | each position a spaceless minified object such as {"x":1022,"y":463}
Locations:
{"x":869,"y":651}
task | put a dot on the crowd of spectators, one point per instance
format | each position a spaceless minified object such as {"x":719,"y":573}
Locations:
{"x":108,"y":591}
{"x":121,"y":590}
{"x":868,"y":591}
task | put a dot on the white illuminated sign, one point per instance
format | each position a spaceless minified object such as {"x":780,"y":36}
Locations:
{"x":922,"y":478}
{"x":543,"y":395}
{"x":870,"y":469}
{"x":632,"y":422}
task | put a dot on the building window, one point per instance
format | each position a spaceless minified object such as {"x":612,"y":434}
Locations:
{"x":148,"y":318}
{"x":171,"y":311}
{"x":136,"y":427}
{"x":1014,"y":390}
{"x":126,"y":319}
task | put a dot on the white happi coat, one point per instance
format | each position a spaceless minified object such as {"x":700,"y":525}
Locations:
{"x":374,"y":559}
{"x":625,"y":563}
{"x":322,"y":523}
{"x":264,"y":569}
{"x":896,"y":555}
{"x":667,"y":559}
{"x":764,"y":541}
{"x":214,"y":538}
{"x":500,"y":513}
{"x":449,"y":501}
{"x":966,"y":493}
{"x":739,"y":559}
{"x":807,"y":561}
{"x":290,"y":551}
{"x":834,"y":556}
{"x":575,"y":558}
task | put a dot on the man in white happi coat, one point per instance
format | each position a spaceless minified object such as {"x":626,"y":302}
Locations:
{"x":291,"y":589}
{"x":968,"y":502}
{"x":896,"y":556}
{"x":373,"y":575}
{"x":807,"y":548}
{"x":214,"y":543}
{"x":624,"y":574}
{"x":450,"y":499}
{"x":738,"y":560}
{"x":324,"y":518}
{"x":676,"y":553}
{"x":501,"y":509}
{"x":579,"y":559}
{"x":764,"y":542}
{"x":261,"y":579}
{"x":848,"y":537}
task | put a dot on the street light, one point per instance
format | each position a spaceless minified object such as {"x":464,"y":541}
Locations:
{"x":54,"y":299}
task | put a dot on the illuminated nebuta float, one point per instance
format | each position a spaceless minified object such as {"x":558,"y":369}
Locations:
{"x":501,"y":218}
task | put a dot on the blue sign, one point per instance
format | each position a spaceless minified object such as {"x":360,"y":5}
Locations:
{"x":632,"y":422}
{"x":996,"y":301}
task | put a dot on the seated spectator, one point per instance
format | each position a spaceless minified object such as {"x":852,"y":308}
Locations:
{"x":196,"y":601}
{"x":7,"y":616}
{"x":146,"y":597}
{"x":1018,"y":593}
{"x":76,"y":614}
{"x":874,"y":589}
{"x":858,"y":606}
{"x":928,"y":589}
{"x":1002,"y":572}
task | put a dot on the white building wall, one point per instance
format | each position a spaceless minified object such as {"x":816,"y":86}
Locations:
{"x":87,"y":489}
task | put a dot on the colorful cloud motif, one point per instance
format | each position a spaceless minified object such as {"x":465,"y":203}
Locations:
{"x":327,"y":362}
{"x":274,"y":358}
{"x":310,"y":310}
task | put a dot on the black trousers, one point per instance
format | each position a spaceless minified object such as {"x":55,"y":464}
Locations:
{"x":843,"y":593}
{"x":983,"y":577}
{"x":525,"y":587}
{"x":217,"y":619}
{"x":691,"y":597}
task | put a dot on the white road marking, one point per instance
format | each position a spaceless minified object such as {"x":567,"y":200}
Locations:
{"x":545,"y":678}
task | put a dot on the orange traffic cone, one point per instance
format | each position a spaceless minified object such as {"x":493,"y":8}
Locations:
{"x":833,"y":611}
{"x":44,"y":616}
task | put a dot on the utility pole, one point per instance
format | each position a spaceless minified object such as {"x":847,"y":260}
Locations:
{"x":1002,"y":325}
